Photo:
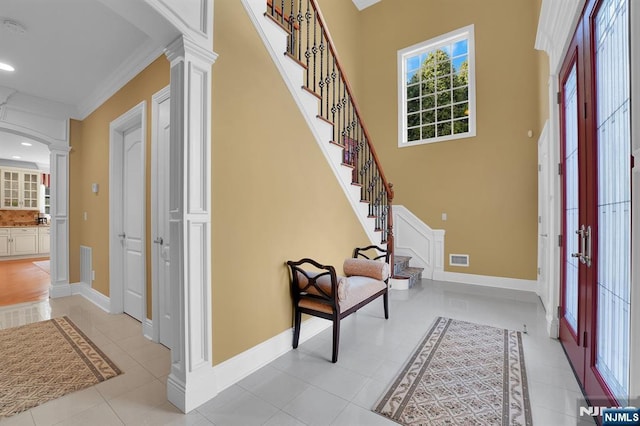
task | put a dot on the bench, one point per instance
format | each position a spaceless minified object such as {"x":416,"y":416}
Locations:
{"x":323,"y":293}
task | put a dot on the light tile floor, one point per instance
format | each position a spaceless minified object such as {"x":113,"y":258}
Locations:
{"x":302,"y":386}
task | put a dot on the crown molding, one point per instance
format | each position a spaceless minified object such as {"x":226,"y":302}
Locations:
{"x":556,"y":25}
{"x":141,"y":58}
{"x":363,"y":4}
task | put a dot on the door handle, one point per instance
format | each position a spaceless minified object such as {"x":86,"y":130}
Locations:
{"x":585,"y":245}
{"x":122,"y":236}
{"x":587,"y":250}
{"x":159,"y":241}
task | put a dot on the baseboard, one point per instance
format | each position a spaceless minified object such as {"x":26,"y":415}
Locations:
{"x":93,"y":296}
{"x":553,"y":328}
{"x":199,"y":390}
{"x":488,"y":281}
{"x":147,"y":329}
{"x":398,"y":284}
{"x":240,"y":366}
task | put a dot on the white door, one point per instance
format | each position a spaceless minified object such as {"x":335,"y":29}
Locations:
{"x":160,"y":209}
{"x":133,"y":222}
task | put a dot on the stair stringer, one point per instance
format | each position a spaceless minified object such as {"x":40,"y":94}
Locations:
{"x":275,"y":40}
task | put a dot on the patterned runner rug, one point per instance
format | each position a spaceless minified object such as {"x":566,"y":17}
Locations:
{"x":461,"y":374}
{"x":45,"y":360}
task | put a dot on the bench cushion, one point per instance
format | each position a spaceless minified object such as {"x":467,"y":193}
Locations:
{"x":360,"y":288}
{"x":366,"y":268}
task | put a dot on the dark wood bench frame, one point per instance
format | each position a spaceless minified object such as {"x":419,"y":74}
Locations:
{"x":331,"y":300}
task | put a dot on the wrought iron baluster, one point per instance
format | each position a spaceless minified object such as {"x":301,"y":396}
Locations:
{"x":321,"y":82}
{"x":307,"y":53}
{"x":333,"y":98}
{"x":314,"y":49}
{"x":281,"y":12}
{"x":299,"y":19}
{"x":330,"y":58}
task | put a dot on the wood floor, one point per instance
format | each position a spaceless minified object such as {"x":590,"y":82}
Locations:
{"x":22,"y":281}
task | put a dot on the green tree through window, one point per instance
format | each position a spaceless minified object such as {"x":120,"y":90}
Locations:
{"x":436,"y":92}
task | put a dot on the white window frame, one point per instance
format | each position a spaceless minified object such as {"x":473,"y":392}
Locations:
{"x":427,"y":46}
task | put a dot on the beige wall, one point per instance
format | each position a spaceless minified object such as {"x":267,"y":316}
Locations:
{"x":89,"y":163}
{"x":487,"y":185}
{"x":274,"y":196}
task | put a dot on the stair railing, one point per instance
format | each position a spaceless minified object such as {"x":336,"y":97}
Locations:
{"x":311,"y":46}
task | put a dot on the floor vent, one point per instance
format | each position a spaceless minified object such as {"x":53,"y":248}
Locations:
{"x":85,"y":264}
{"x":459,"y":260}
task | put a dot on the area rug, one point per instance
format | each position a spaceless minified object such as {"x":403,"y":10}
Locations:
{"x":46,"y":360}
{"x":461,"y":374}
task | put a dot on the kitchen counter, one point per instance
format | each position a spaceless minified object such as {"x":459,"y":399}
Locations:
{"x":24,"y":225}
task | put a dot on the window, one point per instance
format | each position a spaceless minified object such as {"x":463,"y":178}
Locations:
{"x":436,"y":89}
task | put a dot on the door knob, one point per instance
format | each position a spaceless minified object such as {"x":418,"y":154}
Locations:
{"x":122,"y":235}
{"x":159,"y":241}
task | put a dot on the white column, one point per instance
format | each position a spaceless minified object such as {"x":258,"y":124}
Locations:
{"x":191,"y":381}
{"x":59,"y":221}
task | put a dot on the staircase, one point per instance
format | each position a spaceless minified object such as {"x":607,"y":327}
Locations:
{"x":297,"y":38}
{"x":404,"y":276}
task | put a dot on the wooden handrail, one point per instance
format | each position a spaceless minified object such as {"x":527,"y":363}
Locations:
{"x":322,"y":23}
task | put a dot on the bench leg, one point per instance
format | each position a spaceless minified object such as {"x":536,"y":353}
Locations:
{"x":296,"y":328}
{"x":385,"y":299}
{"x":336,"y":339}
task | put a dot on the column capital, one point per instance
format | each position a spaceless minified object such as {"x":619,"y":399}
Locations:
{"x":183,"y":46}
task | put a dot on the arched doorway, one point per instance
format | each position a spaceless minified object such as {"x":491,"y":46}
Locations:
{"x":58,"y":169}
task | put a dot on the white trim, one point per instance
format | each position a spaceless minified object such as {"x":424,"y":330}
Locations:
{"x":141,"y":58}
{"x":413,"y":237}
{"x":198,"y":26}
{"x":363,"y":4}
{"x":191,"y":381}
{"x":157,"y":98}
{"x":488,"y":281}
{"x":148,"y":329}
{"x":464,"y":33}
{"x":240,"y":366}
{"x":92,"y":295}
{"x":398,"y":283}
{"x":136,"y":116}
{"x":556,"y":25}
{"x":275,"y":40}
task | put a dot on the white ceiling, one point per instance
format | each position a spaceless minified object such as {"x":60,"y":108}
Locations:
{"x":11,"y":145}
{"x":72,"y":50}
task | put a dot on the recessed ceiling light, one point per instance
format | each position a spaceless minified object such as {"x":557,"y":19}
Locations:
{"x":25,"y":144}
{"x":6,"y":67}
{"x":17,"y":157}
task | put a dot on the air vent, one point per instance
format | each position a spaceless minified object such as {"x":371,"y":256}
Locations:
{"x":459,"y":260}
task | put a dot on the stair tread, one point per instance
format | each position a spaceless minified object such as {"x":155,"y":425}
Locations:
{"x":410,"y":270}
{"x":401,"y":259}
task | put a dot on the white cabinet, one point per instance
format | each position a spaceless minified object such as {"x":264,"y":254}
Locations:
{"x":24,"y":241}
{"x":44,"y":238}
{"x":4,"y":242}
{"x":19,"y":189}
